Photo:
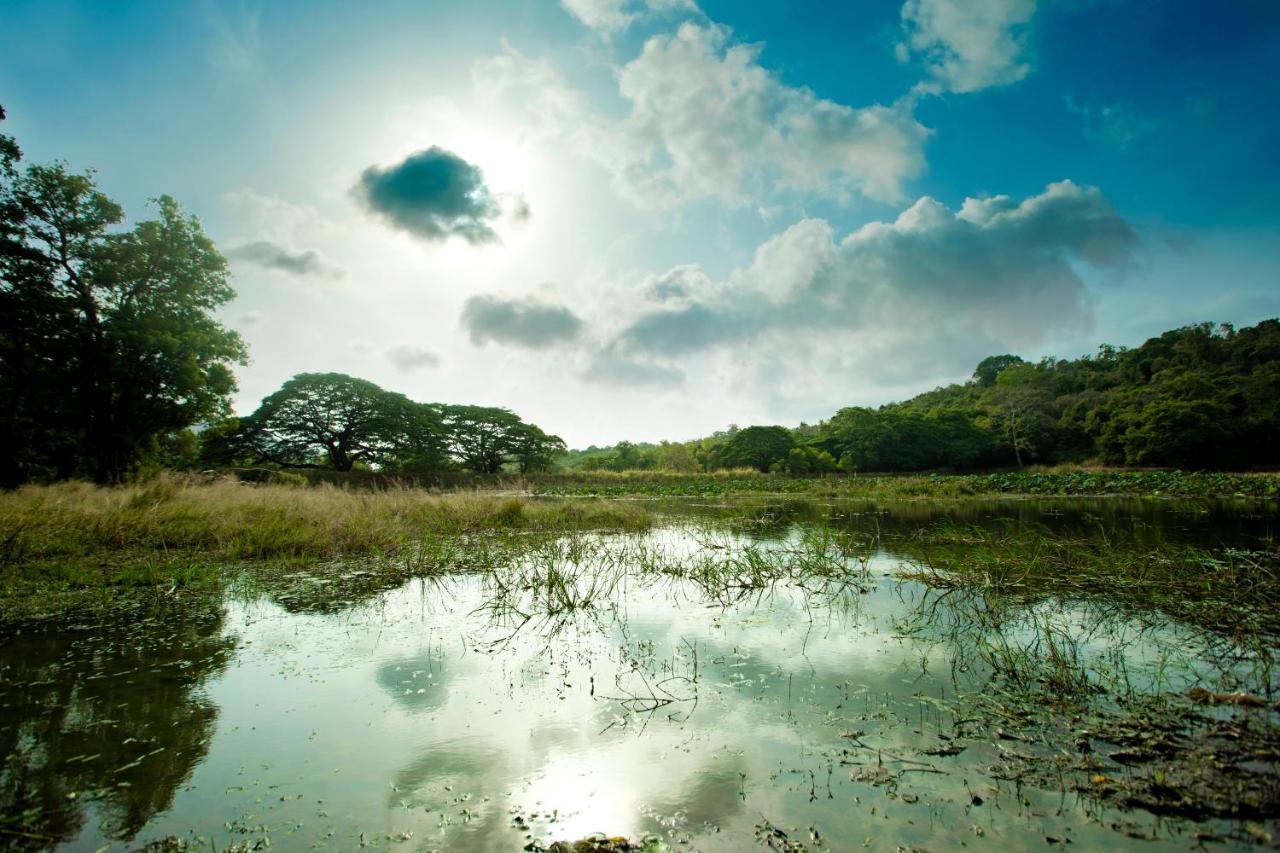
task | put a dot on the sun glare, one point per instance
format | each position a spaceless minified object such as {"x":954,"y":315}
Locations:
{"x":590,"y":794}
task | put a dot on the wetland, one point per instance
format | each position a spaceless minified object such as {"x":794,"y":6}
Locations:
{"x":790,"y":673}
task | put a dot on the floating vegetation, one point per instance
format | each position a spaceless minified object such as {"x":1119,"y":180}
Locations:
{"x":1054,"y":482}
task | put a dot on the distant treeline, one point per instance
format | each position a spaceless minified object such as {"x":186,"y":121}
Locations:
{"x":1200,"y":397}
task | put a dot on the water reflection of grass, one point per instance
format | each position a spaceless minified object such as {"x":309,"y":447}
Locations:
{"x":1232,"y":590}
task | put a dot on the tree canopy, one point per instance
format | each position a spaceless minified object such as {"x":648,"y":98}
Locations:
{"x":335,"y":421}
{"x":756,"y":447}
{"x":108,"y":342}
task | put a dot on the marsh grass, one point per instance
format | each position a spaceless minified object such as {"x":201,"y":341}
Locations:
{"x":175,"y":531}
{"x":231,"y":520}
{"x":1231,"y":590}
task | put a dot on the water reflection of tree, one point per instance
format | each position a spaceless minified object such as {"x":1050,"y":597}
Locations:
{"x":111,"y":715}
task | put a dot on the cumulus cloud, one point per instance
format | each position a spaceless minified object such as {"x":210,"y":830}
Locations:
{"x":997,"y":273}
{"x":967,"y":45}
{"x":273,"y":256}
{"x":529,"y":323}
{"x":408,"y":358}
{"x":432,"y":194}
{"x":610,"y":16}
{"x":706,"y":120}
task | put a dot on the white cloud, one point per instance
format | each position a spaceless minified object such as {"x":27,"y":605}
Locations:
{"x":605,"y":15}
{"x":902,"y":299}
{"x":786,"y":263}
{"x":706,"y":120}
{"x":967,"y":45}
{"x":610,"y":16}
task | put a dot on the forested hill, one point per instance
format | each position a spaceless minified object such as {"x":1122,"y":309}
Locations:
{"x":1204,"y":396}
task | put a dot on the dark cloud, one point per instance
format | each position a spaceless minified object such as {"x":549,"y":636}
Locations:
{"x":527,"y":323}
{"x":409,"y":358}
{"x":687,"y":329}
{"x":433,"y":194}
{"x":273,"y":256}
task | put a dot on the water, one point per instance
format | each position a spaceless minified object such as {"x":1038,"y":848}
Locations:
{"x":469,"y":712}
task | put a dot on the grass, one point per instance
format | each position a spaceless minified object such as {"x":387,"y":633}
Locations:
{"x":223,"y":519}
{"x":1231,"y":590}
{"x":174,"y":532}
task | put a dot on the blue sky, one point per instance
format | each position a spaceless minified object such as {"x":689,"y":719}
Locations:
{"x":651,"y":218}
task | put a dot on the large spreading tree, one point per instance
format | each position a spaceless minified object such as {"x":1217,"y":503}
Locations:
{"x":331,"y":420}
{"x":108,"y":342}
{"x":755,"y":447}
{"x":339,"y":422}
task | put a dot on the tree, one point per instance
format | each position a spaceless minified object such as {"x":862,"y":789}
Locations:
{"x":990,"y":367}
{"x":1018,"y":407}
{"x":108,"y":339}
{"x":481,"y":437}
{"x":534,"y":450}
{"x":670,"y":456}
{"x":806,"y":460}
{"x":333,"y":420}
{"x":755,"y":447}
{"x":1195,"y":434}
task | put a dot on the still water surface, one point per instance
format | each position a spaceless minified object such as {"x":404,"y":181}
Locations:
{"x":468,"y":712}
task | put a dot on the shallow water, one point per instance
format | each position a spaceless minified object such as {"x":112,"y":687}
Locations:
{"x":472,"y":712}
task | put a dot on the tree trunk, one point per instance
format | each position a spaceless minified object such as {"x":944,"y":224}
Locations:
{"x":340,"y":459}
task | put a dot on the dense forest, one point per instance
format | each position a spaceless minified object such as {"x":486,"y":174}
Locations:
{"x":112,"y":362}
{"x":1199,"y":397}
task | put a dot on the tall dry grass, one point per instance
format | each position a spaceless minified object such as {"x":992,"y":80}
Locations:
{"x":226,"y":519}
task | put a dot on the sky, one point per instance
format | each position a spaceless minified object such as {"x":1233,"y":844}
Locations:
{"x":651,"y":219}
